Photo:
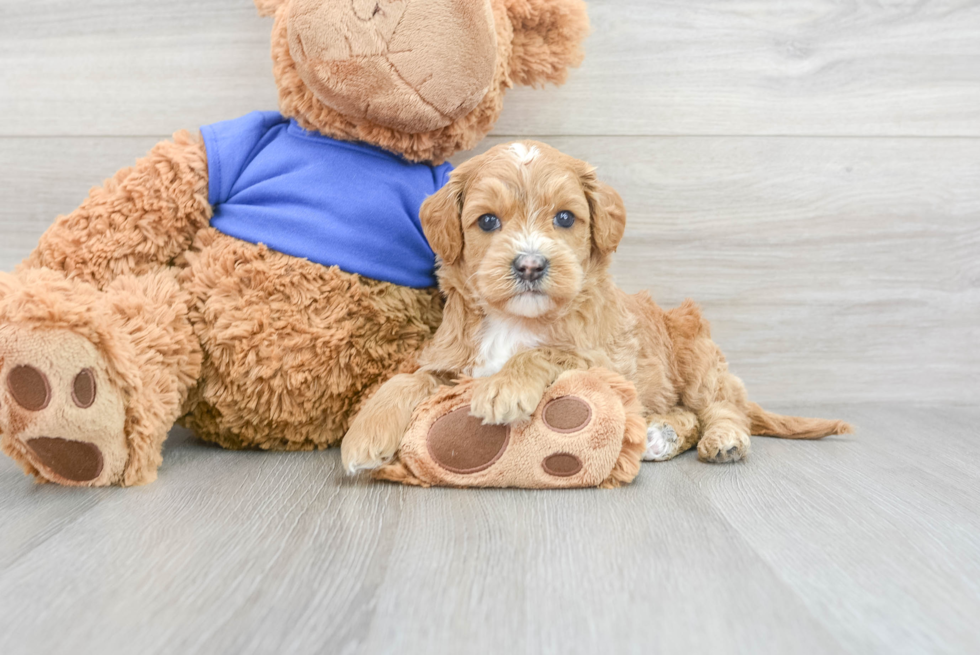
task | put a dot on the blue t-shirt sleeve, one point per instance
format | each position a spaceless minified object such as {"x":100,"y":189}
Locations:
{"x":442,"y":174}
{"x":230,"y":146}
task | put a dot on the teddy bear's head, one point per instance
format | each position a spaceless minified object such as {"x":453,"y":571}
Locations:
{"x":423,"y":78}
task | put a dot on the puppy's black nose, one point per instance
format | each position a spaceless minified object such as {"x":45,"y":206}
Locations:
{"x":530,"y":268}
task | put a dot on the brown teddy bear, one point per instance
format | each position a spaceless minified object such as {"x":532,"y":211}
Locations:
{"x":259,"y":279}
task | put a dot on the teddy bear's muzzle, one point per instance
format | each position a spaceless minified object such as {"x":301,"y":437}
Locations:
{"x":411,"y":65}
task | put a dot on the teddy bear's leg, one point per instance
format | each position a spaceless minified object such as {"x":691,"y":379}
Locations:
{"x":91,"y":381}
{"x":137,"y":222}
{"x":670,"y":434}
{"x":291,"y":348}
{"x":95,"y":347}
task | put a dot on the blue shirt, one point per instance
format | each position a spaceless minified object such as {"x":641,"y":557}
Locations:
{"x":335,"y":203}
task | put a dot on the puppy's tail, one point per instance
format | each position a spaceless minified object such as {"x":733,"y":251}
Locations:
{"x":793,"y":427}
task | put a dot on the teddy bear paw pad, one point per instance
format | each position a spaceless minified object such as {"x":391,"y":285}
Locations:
{"x":59,"y":415}
{"x":562,"y":465}
{"x":567,"y":414}
{"x":462,"y":444}
{"x":77,"y":461}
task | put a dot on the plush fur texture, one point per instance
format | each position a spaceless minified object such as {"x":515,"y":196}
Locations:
{"x":575,"y":315}
{"x":411,"y":66}
{"x":286,"y":362}
{"x":608,"y":447}
{"x":255,"y":349}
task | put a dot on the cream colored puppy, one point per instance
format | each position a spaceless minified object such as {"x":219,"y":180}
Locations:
{"x":524,"y":235}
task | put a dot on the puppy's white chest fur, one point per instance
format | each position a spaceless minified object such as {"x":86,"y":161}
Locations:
{"x":501,"y":339}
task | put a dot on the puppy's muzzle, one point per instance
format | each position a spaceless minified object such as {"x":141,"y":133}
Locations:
{"x":530,"y":268}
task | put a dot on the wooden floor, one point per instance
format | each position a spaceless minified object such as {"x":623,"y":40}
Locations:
{"x":860,"y":544}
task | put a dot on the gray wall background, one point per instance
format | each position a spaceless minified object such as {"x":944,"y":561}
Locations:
{"x":809,"y":171}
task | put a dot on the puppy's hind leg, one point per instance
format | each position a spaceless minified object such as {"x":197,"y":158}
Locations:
{"x":725,"y":433}
{"x":670,"y":434}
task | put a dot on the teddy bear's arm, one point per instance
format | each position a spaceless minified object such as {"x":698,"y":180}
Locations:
{"x":138,"y":221}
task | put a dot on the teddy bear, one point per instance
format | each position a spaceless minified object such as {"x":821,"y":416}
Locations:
{"x":258,"y":279}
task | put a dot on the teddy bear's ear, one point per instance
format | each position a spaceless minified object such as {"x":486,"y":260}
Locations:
{"x":268,"y":7}
{"x":548,"y":37}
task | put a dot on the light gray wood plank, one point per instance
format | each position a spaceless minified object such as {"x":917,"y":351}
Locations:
{"x":856,"y":544}
{"x":875,"y":531}
{"x":831,"y":269}
{"x":702,"y":67}
{"x":828,"y":67}
{"x":32,"y":513}
{"x":262,"y":552}
{"x":175,"y":567}
{"x":117,"y":67}
{"x":582,"y":572}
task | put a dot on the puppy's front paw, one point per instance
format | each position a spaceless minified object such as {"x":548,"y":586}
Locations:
{"x":501,"y":399}
{"x":369,"y":443}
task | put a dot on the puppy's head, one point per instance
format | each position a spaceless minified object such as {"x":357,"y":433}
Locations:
{"x":520,"y":228}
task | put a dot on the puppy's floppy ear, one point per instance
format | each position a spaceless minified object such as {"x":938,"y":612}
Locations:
{"x":608,"y":213}
{"x":548,"y":37}
{"x":268,"y":7}
{"x":441,"y":217}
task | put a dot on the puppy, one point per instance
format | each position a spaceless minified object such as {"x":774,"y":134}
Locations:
{"x":524,"y":236}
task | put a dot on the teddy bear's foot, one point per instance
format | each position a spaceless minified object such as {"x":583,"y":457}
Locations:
{"x":92,"y":380}
{"x":584,"y":433}
{"x":60,"y":416}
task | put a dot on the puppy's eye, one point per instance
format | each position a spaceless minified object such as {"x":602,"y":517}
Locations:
{"x":564,"y":218}
{"x":488,"y":223}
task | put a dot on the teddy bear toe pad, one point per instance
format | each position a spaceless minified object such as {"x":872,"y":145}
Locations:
{"x":562,"y":465}
{"x":29,"y":388}
{"x":461,"y":443}
{"x":567,"y":414}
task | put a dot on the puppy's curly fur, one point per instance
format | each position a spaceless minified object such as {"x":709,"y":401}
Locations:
{"x":519,"y":332}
